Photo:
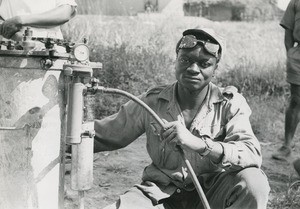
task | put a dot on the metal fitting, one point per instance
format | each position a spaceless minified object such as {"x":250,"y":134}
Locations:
{"x":88,"y":133}
{"x":46,"y":64}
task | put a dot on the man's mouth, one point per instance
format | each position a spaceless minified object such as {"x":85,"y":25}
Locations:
{"x":193,"y":78}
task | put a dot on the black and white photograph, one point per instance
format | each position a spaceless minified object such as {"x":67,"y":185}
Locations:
{"x":149,"y":104}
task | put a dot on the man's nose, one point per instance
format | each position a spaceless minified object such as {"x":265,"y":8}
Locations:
{"x":194,"y":68}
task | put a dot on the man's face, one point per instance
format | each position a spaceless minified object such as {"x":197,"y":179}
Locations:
{"x":194,"y":68}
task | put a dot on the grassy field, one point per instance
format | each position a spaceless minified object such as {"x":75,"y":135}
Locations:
{"x":139,"y":52}
{"x":141,"y":49}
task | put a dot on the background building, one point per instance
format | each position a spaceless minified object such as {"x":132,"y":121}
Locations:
{"x":216,"y":10}
{"x":129,"y":7}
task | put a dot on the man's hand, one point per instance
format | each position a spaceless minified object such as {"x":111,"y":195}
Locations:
{"x":11,"y":26}
{"x":177,"y":134}
{"x":153,"y":191}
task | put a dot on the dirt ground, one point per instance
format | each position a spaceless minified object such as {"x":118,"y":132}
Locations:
{"x":115,"y":172}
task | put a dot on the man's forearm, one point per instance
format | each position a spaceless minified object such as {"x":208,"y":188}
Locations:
{"x":217,"y":153}
{"x":101,"y":145}
{"x":50,"y":18}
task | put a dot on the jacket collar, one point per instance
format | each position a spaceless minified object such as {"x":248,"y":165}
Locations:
{"x":214,"y":94}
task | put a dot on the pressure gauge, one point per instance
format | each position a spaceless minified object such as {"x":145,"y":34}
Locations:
{"x":81,"y":52}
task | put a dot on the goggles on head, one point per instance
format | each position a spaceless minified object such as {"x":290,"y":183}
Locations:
{"x":190,"y":41}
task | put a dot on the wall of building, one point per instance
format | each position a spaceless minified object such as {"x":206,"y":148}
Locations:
{"x":171,"y":7}
{"x":218,"y":13}
{"x":124,"y":7}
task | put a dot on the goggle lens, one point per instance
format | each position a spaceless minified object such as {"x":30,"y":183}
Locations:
{"x":190,"y":41}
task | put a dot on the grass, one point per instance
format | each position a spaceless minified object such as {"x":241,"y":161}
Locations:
{"x":141,"y":49}
{"x":139,"y":52}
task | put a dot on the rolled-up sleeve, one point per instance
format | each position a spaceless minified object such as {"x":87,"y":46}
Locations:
{"x":288,"y":19}
{"x":120,"y":129}
{"x":241,"y":147}
{"x":68,"y":2}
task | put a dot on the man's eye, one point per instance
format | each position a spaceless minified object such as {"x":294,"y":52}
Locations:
{"x":205,"y":64}
{"x":184,"y":60}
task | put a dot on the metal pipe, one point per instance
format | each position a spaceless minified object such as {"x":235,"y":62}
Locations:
{"x":75,"y":111}
{"x":82,"y":164}
{"x":82,"y":168}
{"x":82,"y":144}
{"x":81,"y":199}
{"x":161,"y":123}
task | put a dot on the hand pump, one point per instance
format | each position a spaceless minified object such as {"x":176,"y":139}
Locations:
{"x":78,"y":72}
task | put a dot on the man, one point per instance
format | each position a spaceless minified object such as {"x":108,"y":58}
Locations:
{"x":44,"y":17}
{"x":212,"y":126}
{"x":291,"y":40}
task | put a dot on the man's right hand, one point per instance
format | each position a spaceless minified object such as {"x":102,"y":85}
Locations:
{"x":10,"y":27}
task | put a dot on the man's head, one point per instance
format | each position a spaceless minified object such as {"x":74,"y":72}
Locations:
{"x":198,"y":54}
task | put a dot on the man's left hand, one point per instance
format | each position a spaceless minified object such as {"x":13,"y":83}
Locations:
{"x":177,"y":134}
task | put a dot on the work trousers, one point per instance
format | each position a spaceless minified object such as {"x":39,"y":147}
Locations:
{"x":246,"y":189}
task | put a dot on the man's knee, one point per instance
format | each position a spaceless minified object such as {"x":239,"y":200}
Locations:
{"x":133,"y":199}
{"x":295,"y":102}
{"x":256,"y":183}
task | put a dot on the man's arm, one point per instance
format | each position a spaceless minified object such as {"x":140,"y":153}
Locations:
{"x":238,"y":149}
{"x":54,"y":17}
{"x":119,"y":130}
{"x":175,"y":132}
{"x":51,"y":18}
{"x":241,"y":147}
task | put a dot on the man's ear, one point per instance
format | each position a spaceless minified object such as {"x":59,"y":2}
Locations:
{"x":216,"y":67}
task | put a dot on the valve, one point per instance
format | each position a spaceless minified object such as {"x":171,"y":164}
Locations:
{"x":49,"y":43}
{"x":27,"y":42}
{"x":89,"y":133}
{"x":46,"y":63}
{"x":10,"y":45}
{"x":94,"y":84}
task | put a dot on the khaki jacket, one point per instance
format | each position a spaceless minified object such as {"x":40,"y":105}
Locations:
{"x":224,"y":117}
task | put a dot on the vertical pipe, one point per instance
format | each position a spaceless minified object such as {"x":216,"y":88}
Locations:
{"x":81,"y":199}
{"x":75,"y":111}
{"x":82,"y":165}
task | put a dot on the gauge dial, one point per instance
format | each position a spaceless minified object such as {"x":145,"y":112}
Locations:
{"x":81,"y":52}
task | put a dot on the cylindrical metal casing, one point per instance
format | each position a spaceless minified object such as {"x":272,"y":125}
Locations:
{"x":32,"y":134}
{"x":82,"y":164}
{"x":75,"y":112}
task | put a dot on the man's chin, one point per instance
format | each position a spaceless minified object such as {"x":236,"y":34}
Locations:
{"x":193,"y":88}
